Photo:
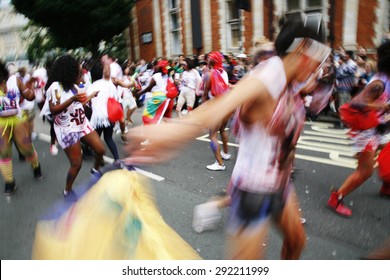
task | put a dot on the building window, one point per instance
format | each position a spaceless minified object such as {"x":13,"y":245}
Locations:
{"x":175,"y":27}
{"x":173,"y":4}
{"x":314,"y":3}
{"x":293,"y":5}
{"x":312,"y":8}
{"x":304,"y":4}
{"x":233,"y":23}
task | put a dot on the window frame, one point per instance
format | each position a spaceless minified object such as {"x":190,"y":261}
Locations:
{"x":231,"y":23}
{"x":175,"y":33}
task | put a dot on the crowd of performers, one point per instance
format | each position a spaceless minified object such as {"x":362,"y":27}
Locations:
{"x":269,"y":105}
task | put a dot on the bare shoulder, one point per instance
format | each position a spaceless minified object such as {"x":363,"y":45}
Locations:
{"x":260,"y":107}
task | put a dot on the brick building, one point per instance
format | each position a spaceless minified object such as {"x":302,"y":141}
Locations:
{"x":172,"y":27}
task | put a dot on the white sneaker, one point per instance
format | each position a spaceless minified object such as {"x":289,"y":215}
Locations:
{"x":215,"y":166}
{"x":53,"y":150}
{"x":206,"y":217}
{"x":225,"y":156}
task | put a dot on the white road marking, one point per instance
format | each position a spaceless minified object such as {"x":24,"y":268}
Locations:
{"x":326,"y":134}
{"x":326,"y":161}
{"x":206,"y":139}
{"x":46,"y":138}
{"x":347,"y":153}
{"x":344,"y":145}
{"x":324,"y":139}
{"x":149,"y":174}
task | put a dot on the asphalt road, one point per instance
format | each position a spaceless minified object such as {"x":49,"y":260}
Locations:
{"x":323,"y":160}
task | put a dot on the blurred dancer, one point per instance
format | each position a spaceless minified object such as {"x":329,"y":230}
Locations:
{"x":27,"y":107}
{"x":190,"y":79}
{"x":14,"y":127}
{"x":207,"y":215}
{"x":126,"y":87}
{"x":116,"y":75}
{"x":159,"y":106}
{"x":99,"y":119}
{"x":383,"y":65}
{"x":41,"y":78}
{"x":366,"y":141}
{"x":216,"y":84}
{"x":365,"y":147}
{"x":71,"y":126}
{"x":271,"y":118}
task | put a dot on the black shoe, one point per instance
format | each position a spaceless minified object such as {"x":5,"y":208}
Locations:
{"x":37,"y":172}
{"x":10,"y":188}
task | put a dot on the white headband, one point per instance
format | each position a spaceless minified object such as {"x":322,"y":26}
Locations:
{"x":313,"y":49}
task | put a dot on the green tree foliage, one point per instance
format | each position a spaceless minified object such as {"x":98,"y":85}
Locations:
{"x":73,"y":23}
{"x":116,"y":47}
{"x":39,"y":44}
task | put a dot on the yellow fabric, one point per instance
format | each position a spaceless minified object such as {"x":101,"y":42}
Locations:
{"x":116,"y":219}
{"x":10,"y":123}
{"x":6,"y":169}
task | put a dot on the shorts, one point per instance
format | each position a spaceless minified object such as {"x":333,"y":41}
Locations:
{"x":187,"y":95}
{"x":66,"y":138}
{"x":251,"y":210}
{"x":129,"y":103}
{"x":11,"y":120}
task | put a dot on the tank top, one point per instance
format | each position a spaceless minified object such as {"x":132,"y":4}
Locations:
{"x":263,"y":150}
{"x":73,"y":118}
{"x":9,"y":101}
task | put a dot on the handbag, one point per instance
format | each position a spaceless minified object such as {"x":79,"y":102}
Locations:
{"x":172,"y":90}
{"x":114,"y":110}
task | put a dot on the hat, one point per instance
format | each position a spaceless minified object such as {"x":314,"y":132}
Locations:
{"x":163,"y":64}
{"x":217,"y":58}
{"x":301,"y":29}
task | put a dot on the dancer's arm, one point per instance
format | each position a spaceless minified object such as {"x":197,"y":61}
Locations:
{"x":56,"y":107}
{"x":167,"y":138}
{"x":147,"y":89}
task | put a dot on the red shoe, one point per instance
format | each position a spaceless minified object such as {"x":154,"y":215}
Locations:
{"x":338,"y":206}
{"x":385,"y":189}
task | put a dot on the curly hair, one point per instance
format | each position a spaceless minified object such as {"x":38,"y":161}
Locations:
{"x":65,"y":70}
{"x":3,"y":72}
{"x":383,"y":53}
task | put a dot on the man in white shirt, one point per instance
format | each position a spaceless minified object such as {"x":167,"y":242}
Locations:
{"x":115,"y":68}
{"x":116,"y":75}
